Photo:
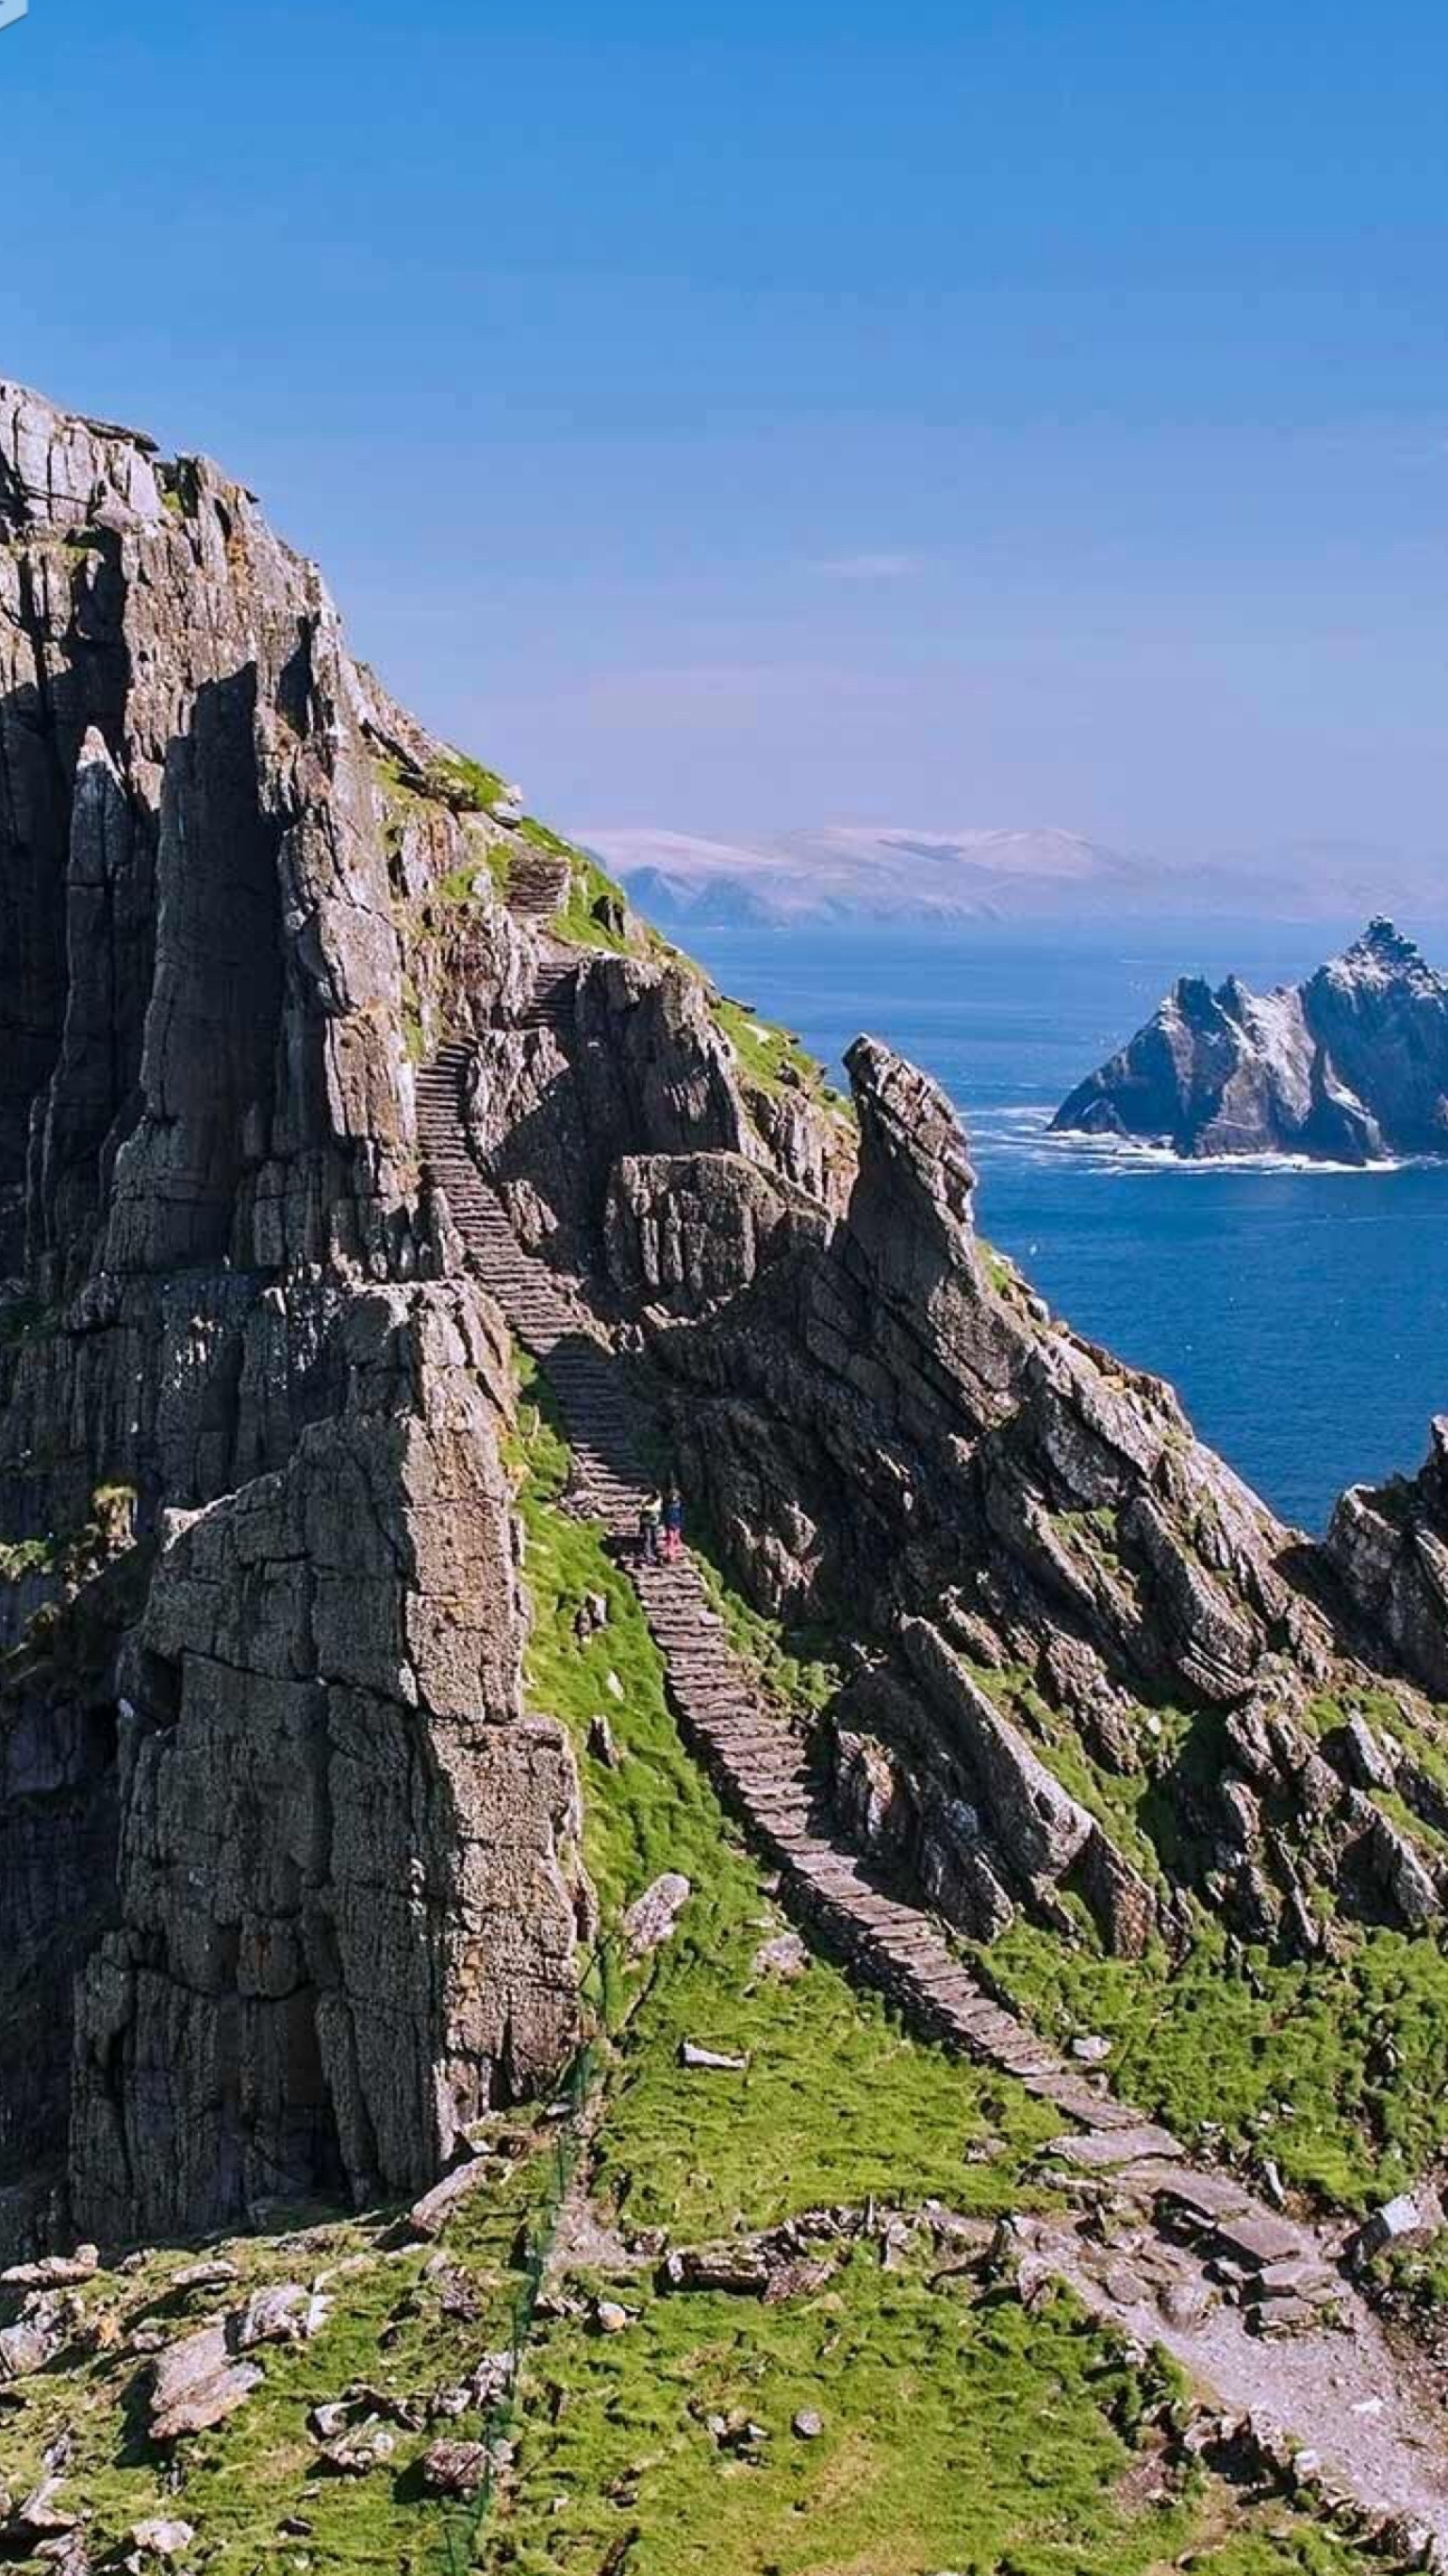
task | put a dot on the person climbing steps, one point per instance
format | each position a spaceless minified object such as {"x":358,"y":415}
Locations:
{"x":651,"y":1522}
{"x":673,"y":1526}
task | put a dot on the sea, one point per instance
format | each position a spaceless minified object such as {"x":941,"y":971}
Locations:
{"x":1300,"y":1311}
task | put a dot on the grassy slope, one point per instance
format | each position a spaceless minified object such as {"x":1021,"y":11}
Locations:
{"x":1355,"y":2049}
{"x":239,"y":2482}
{"x":838,"y":2102}
{"x":1336,"y":2068}
{"x":958,"y":2429}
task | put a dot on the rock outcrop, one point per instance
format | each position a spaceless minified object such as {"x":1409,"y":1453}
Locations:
{"x":631,"y":1068}
{"x":320,"y":1729}
{"x":1389,"y":1547}
{"x":269,"y":1804}
{"x":1031,"y":1555}
{"x":1351,"y":1066}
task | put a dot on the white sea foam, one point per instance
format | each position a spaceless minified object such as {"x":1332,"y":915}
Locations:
{"x":1028,"y":1131}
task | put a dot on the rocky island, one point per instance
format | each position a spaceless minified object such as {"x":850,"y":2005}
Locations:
{"x":511,"y":2045}
{"x":1349,"y":1067}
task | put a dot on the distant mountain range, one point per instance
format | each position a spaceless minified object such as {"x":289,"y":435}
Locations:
{"x":849,"y":873}
{"x":860,"y":873}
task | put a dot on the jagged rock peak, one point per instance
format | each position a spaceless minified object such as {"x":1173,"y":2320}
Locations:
{"x":910,"y":1134}
{"x":202,"y":1042}
{"x":1349,"y":1066}
{"x":1383,"y":954}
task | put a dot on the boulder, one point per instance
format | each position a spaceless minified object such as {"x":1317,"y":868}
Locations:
{"x":1406,"y":2215}
{"x":41,"y":2519}
{"x":162,"y":2537}
{"x":459,"y":2468}
{"x":54,"y":2271}
{"x":653,"y":1917}
{"x":359,"y":2449}
{"x":198,"y":2382}
{"x":783,"y":1955}
{"x":48,"y":2320}
{"x":430,"y":2215}
{"x":741,"y":2270}
{"x":285,"y":2312}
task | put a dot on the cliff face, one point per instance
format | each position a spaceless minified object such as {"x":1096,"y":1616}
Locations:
{"x":1389,"y":1547}
{"x":272,"y":1813}
{"x":1081,"y":1668}
{"x":1351,"y":1066}
{"x":1049,"y":1586}
{"x":289,"y":1875}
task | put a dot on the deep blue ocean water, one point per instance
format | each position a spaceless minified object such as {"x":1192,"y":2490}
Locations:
{"x":1302,"y":1314}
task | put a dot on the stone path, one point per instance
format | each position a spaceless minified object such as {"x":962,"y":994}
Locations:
{"x":538,"y":881}
{"x":1197,"y":2227}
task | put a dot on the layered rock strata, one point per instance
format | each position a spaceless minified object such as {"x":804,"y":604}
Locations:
{"x":291,"y":1885}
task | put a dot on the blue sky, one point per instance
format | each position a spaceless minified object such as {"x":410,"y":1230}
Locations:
{"x":735,"y":419}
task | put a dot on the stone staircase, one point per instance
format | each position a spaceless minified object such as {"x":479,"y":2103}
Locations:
{"x":761,"y":1764}
{"x":538,"y":882}
{"x":555,"y":995}
{"x":1181,"y":2254}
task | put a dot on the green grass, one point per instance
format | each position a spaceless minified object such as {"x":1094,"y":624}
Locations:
{"x":75,"y":1553}
{"x":593,"y":913}
{"x":957,"y":2432}
{"x":960,"y":2429}
{"x":1002,"y":1274}
{"x":1356,"y":2047}
{"x":839,"y":2102}
{"x":796,"y":1666}
{"x":238,"y":2482}
{"x":467,"y":785}
{"x":29,"y":1556}
{"x":773,"y":1057}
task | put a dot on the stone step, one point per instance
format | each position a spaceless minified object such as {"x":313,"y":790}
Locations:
{"x":724,"y":1703}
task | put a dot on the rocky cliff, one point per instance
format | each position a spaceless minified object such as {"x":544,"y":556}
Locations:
{"x":1080,"y":1661}
{"x":291,"y":1888}
{"x":1351,"y":1066}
